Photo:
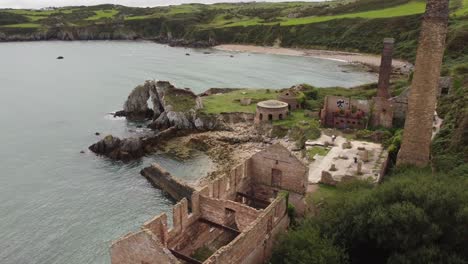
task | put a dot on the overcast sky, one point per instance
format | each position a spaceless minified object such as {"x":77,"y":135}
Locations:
{"x":142,"y":3}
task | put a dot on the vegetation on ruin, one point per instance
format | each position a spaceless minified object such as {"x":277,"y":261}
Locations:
{"x":316,"y":150}
{"x":180,"y":102}
{"x":294,"y":118}
{"x":202,"y":253}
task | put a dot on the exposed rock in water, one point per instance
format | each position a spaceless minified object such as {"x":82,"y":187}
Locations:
{"x":119,"y":149}
{"x":133,"y":148}
{"x":176,"y":112}
{"x":172,"y":107}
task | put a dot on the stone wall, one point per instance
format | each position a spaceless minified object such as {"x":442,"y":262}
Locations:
{"x":215,"y":215}
{"x":382,"y":114}
{"x":163,"y":180}
{"x":277,"y":167}
{"x":293,"y":103}
{"x":141,"y":247}
{"x":254,"y":245}
{"x":343,"y":112}
{"x":264,"y":114}
{"x":215,"y":211}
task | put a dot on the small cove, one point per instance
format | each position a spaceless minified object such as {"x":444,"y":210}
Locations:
{"x":60,"y":206}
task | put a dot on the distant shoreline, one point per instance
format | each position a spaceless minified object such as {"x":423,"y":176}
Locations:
{"x":370,"y":60}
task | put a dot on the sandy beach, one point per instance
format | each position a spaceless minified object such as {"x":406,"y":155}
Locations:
{"x":370,"y":60}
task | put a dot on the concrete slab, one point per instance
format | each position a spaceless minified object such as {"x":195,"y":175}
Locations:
{"x":345,"y":160}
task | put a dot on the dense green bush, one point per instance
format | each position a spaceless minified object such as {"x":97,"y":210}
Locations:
{"x":306,"y":246}
{"x":413,"y":217}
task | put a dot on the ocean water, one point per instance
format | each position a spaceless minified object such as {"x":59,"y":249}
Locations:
{"x":60,"y":206}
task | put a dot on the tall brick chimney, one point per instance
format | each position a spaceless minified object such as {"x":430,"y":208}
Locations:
{"x":385,"y":68}
{"x":416,"y":144}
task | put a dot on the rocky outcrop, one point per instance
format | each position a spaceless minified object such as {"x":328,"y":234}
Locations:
{"x":119,"y":149}
{"x":182,"y":42}
{"x":172,"y":107}
{"x":175,"y":112}
{"x":128,"y":149}
{"x":212,"y":91}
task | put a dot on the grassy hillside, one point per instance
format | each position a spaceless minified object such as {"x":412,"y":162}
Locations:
{"x":355,"y":25}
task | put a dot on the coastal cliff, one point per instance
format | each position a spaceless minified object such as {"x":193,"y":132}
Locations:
{"x":175,"y":112}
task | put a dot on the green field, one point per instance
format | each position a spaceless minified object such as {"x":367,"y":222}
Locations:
{"x":230,"y":102}
{"x":217,"y":15}
{"x":412,"y":8}
{"x":100,"y":14}
{"x":294,"y":118}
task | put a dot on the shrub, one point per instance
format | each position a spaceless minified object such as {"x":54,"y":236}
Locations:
{"x":461,"y":69}
{"x":305,"y":245}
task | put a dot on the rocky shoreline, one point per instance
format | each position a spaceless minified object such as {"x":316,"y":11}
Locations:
{"x":175,"y":113}
{"x":179,"y":127}
{"x":91,"y":34}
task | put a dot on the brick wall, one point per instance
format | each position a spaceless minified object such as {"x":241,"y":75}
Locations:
{"x":141,"y":247}
{"x":250,"y":247}
{"x":215,"y":211}
{"x":292,"y":173}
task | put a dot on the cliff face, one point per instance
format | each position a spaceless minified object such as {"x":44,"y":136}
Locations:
{"x":172,"y":107}
{"x":94,"y":32}
{"x":174,"y":112}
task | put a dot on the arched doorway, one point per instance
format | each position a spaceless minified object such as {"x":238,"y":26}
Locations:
{"x":280,"y":116}
{"x":261,"y":117}
{"x":270,"y":117}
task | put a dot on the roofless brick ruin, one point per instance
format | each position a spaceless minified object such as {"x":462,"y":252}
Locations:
{"x":236,"y":216}
{"x":342,"y":112}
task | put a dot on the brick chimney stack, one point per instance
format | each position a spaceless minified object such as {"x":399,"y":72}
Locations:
{"x":416,"y":145}
{"x":385,"y":68}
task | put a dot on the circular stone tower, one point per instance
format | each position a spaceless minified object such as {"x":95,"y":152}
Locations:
{"x":271,"y":110}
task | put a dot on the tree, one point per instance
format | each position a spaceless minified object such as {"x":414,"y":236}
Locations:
{"x":414,"y":217}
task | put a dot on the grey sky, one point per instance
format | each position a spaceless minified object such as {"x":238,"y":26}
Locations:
{"x":142,"y":3}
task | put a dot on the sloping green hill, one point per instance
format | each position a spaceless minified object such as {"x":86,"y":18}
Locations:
{"x":356,"y":25}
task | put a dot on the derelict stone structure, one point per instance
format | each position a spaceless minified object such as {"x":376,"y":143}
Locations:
{"x":385,"y":69}
{"x":382,"y":112}
{"x":271,"y":110}
{"x":415,"y":147}
{"x":291,"y":97}
{"x":342,"y":112}
{"x":236,"y":216}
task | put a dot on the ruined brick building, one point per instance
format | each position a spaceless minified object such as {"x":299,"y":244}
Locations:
{"x":236,"y":217}
{"x":292,"y":98}
{"x":343,"y":112}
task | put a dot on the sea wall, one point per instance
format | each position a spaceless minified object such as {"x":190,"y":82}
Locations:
{"x":163,"y":180}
